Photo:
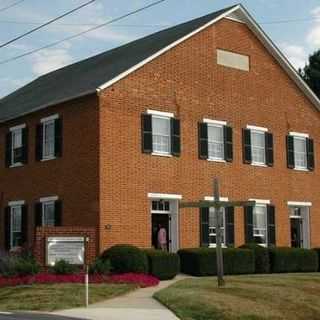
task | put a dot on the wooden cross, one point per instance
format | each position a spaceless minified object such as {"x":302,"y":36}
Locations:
{"x":217,"y":205}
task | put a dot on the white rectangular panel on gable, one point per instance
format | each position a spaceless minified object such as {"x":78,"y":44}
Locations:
{"x":233,"y":60}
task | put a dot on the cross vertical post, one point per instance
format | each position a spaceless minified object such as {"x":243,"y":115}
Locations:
{"x":217,"y":214}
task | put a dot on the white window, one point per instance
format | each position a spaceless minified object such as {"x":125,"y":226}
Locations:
{"x":212,"y":227}
{"x":48,"y":213}
{"x":48,"y":143}
{"x":260,"y":224}
{"x":215,"y":142}
{"x":258,"y":147}
{"x":16,"y":226}
{"x":161,"y":135}
{"x":300,"y":152}
{"x":16,"y":146}
{"x":160,"y":206}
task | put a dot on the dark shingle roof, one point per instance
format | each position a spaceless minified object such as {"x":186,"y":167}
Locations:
{"x":87,"y":75}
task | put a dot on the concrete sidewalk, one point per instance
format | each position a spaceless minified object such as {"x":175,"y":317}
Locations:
{"x":137,"y":305}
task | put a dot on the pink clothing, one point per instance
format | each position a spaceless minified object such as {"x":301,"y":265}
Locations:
{"x":162,"y":236}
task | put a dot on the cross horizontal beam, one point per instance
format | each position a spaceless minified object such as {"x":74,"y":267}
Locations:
{"x":216,"y":204}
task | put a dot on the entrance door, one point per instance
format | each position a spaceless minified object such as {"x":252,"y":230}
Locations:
{"x":157,"y":220}
{"x":296,"y":233}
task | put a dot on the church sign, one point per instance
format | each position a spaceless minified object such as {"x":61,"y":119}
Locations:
{"x":70,"y":249}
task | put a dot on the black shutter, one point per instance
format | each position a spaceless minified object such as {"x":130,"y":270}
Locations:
{"x":39,"y":142}
{"x":248,"y":224}
{"x":228,"y":145}
{"x":310,"y":154}
{"x":38,"y":214}
{"x":269,"y":149}
{"x":204,"y":227}
{"x":146,"y":133}
{"x":175,"y":137}
{"x":271,"y":225}
{"x":24,"y":225}
{"x":58,"y":137}
{"x":290,"y":152}
{"x":229,"y":219}
{"x":7,"y":227}
{"x":24,"y":157}
{"x":203,"y":140}
{"x":58,"y":213}
{"x":246,"y":139}
{"x":8,"y":149}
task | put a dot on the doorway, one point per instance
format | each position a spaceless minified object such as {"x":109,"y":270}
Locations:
{"x":299,"y":226}
{"x":157,"y":220}
{"x":296,"y":233}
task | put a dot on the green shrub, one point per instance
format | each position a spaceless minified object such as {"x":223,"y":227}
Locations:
{"x":126,"y":258}
{"x":100,"y":266}
{"x":317,"y":250}
{"x":261,"y":257}
{"x":202,"y":261}
{"x":293,"y":260}
{"x":162,"y":264}
{"x":19,"y":264}
{"x":64,"y":267}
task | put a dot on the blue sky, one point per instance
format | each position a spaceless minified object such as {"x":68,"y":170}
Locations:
{"x":296,"y":39}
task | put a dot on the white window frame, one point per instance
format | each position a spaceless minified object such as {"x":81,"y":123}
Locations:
{"x":13,"y":206}
{"x":165,"y":117}
{"x":44,"y":220}
{"x":304,"y":137}
{"x":161,"y":211}
{"x":13,"y":133}
{"x":262,"y":131}
{"x":210,"y":157}
{"x":262,"y":203}
{"x":45,"y":122}
{"x":45,"y":201}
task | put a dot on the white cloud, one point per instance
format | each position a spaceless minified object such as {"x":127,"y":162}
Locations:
{"x":313,"y":36}
{"x":295,"y":54}
{"x":50,"y":59}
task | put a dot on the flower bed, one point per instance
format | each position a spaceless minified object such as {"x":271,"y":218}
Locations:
{"x":141,"y":280}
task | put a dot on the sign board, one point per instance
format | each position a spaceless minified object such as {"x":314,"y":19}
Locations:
{"x":70,"y":249}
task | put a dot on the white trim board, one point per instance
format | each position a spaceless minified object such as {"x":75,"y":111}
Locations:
{"x":47,"y":199}
{"x":210,"y":198}
{"x":20,"y":126}
{"x":160,"y":113}
{"x":164,"y":196}
{"x":298,"y":134}
{"x":16,"y":203}
{"x":299,"y":203}
{"x":260,"y":201}
{"x":215,"y":122}
{"x":257,"y":128}
{"x":49,"y":118}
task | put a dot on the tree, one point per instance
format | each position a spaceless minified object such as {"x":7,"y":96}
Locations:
{"x":311,"y":73}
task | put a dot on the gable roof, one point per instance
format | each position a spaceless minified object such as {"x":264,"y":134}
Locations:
{"x":101,"y":71}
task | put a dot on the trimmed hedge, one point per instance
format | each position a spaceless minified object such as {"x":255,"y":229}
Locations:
{"x":261,"y":257}
{"x":162,"y":264}
{"x":317,"y":250}
{"x":126,"y":258}
{"x":202,"y":261}
{"x":293,"y":260}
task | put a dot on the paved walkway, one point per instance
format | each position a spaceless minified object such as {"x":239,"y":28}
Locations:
{"x":137,"y":305}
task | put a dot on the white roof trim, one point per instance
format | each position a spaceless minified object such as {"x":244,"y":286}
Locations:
{"x":162,"y":51}
{"x":244,"y":15}
{"x":164,"y":196}
{"x":299,"y":203}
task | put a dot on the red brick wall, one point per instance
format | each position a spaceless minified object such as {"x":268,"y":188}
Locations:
{"x":73,"y":177}
{"x":187,"y":81}
{"x":42,"y":233}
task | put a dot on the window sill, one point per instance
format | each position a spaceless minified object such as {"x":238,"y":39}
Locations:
{"x":16,"y":165}
{"x":259,"y":165}
{"x":216,"y":160}
{"x":301,"y":169}
{"x":161,"y":154}
{"x":47,"y":159}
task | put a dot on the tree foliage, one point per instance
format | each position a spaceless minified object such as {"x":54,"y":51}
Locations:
{"x":311,"y":72}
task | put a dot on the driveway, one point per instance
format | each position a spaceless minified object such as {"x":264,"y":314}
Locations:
{"x":137,"y":305}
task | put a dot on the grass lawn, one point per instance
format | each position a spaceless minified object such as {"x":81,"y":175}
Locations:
{"x":57,"y":296}
{"x":254,"y":297}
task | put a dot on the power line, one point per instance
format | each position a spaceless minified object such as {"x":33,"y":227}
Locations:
{"x":81,"y":33}
{"x":46,"y":23}
{"x":11,"y":5}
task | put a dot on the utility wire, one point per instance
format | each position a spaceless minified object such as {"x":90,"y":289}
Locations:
{"x":11,"y":5}
{"x":46,"y":23}
{"x":81,"y":33}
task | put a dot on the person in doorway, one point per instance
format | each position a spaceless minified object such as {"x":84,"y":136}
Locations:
{"x":162,"y":238}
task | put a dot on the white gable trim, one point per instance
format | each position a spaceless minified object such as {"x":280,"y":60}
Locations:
{"x":164,"y":50}
{"x":242,"y":14}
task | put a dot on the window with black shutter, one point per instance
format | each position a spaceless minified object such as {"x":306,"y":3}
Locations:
{"x":146,"y":123}
{"x":48,"y":212}
{"x":310,"y":154}
{"x":228,"y":144}
{"x":25,"y":140}
{"x":16,"y":225}
{"x":204,"y":227}
{"x":8,"y":158}
{"x":203,"y":140}
{"x":271,"y":225}
{"x":7,"y":227}
{"x":58,"y":137}
{"x":39,"y":142}
{"x":229,"y":222}
{"x":246,"y":139}
{"x":300,"y":152}
{"x":175,"y":137}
